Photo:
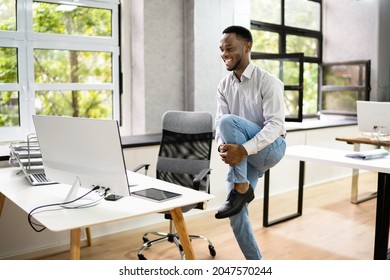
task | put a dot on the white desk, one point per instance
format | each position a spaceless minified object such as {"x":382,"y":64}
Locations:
{"x":356,"y":141}
{"x":17,"y":189}
{"x":338,"y":158}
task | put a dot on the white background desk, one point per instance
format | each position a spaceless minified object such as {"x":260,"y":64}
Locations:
{"x":17,"y":189}
{"x":336,"y":157}
{"x":357,"y":141}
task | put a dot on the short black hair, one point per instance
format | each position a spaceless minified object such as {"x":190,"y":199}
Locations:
{"x":240,"y":32}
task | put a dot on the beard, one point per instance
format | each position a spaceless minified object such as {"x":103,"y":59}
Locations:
{"x":234,"y":66}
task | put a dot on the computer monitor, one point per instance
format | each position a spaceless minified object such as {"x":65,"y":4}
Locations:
{"x":82,"y":152}
{"x":373,"y":117}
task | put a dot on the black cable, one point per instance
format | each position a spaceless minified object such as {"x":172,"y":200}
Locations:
{"x":376,"y":135}
{"x":42,"y":228}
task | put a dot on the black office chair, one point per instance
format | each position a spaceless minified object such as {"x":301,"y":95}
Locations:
{"x":183,"y":159}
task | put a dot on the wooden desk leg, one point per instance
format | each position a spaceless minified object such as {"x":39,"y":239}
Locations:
{"x":355,"y":179}
{"x":178,"y":220}
{"x":2,"y":199}
{"x":354,"y":186}
{"x":89,"y":237}
{"x":355,"y":199}
{"x":75,"y":235}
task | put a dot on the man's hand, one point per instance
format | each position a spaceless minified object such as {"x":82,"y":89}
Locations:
{"x":232,"y":153}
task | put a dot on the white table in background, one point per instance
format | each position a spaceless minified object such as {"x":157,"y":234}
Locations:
{"x":337,"y":157}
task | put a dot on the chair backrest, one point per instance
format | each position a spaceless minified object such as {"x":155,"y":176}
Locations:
{"x":185,"y":147}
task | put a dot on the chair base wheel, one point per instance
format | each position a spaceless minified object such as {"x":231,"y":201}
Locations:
{"x":213,"y":253}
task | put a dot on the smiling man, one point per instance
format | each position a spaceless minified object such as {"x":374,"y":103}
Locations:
{"x":250,"y":131}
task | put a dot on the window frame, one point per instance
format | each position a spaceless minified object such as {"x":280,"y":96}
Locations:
{"x":20,"y":87}
{"x":283,"y":31}
{"x":366,"y":88}
{"x":25,"y":40}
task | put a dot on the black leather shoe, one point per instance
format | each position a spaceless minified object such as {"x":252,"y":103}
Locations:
{"x":234,"y":203}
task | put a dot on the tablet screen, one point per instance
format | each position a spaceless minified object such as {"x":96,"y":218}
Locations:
{"x":155,"y":194}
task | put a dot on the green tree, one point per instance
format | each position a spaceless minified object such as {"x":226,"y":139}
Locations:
{"x":73,"y":66}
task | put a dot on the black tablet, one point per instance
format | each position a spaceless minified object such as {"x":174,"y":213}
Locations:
{"x":156,"y":194}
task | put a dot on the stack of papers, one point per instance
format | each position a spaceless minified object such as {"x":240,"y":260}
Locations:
{"x":370,"y":154}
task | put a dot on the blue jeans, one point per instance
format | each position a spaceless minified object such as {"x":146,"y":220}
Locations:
{"x":236,"y":130}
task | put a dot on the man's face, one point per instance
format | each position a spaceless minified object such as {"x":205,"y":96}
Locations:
{"x":234,"y":52}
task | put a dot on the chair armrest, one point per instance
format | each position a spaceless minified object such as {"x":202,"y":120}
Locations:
{"x":196,"y":183}
{"x":139,"y":167}
{"x":199,"y":177}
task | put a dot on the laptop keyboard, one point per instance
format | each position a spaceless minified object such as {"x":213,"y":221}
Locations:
{"x":40,"y":177}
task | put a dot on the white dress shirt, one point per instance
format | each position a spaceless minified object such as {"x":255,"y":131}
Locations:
{"x":259,"y":98}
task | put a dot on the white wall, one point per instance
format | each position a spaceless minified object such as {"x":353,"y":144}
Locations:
{"x":208,"y":70}
{"x":157,"y":59}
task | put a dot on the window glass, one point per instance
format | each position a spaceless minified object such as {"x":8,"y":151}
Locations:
{"x":269,"y":65}
{"x":303,"y":14}
{"x":310,"y":88}
{"x":8,"y":15}
{"x":339,"y":101}
{"x":8,"y":65}
{"x":290,"y":72}
{"x":266,"y":11}
{"x":290,"y":76}
{"x":9,"y":100}
{"x":265,"y":41}
{"x":9,"y":108}
{"x":344,"y":75}
{"x":75,"y":103}
{"x":343,"y":84}
{"x":300,"y":44}
{"x":72,"y":66}
{"x":71,"y":20}
{"x":291,"y":98}
{"x":287,"y":71}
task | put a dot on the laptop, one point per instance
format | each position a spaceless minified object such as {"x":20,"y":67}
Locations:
{"x":28,"y":157}
{"x":373,"y":117}
{"x":38,"y":178}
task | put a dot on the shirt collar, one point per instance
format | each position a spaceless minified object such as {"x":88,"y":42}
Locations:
{"x":247,"y":72}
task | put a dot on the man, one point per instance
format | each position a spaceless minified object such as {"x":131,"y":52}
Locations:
{"x":250,"y":131}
